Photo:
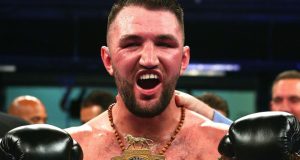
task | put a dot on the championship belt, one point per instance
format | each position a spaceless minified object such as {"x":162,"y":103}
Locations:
{"x":138,"y":149}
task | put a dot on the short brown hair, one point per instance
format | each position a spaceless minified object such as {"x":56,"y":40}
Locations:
{"x":100,"y":98}
{"x":169,"y":5}
{"x":215,"y":102}
{"x":289,"y":74}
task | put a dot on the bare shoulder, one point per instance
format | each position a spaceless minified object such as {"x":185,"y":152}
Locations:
{"x":97,"y":128}
{"x":200,"y":129}
{"x":95,"y":134}
{"x":198,"y":139}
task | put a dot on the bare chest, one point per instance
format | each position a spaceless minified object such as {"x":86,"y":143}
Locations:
{"x":189,"y":148}
{"x":184,"y":147}
{"x":174,"y":154}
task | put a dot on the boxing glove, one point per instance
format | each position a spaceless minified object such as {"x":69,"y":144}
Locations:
{"x":39,"y":142}
{"x":262,"y":136}
{"x":225,"y":147}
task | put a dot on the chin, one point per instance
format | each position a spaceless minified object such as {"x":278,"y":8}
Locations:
{"x":147,"y":109}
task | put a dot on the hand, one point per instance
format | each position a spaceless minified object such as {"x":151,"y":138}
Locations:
{"x":192,"y":103}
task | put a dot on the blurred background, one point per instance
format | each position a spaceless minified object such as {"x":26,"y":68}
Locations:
{"x":50,"y":49}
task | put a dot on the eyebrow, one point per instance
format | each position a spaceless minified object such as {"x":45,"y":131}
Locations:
{"x":163,"y":37}
{"x":129,"y":37}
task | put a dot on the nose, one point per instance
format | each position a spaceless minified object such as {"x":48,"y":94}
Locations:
{"x":149,"y":57}
{"x":285,"y":106}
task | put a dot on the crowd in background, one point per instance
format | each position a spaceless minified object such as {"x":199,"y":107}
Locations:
{"x":285,"y":94}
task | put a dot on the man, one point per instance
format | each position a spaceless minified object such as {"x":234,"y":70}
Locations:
{"x":216,"y":102}
{"x":286,"y":93}
{"x":94,"y":104}
{"x":146,"y":55}
{"x":29,"y":108}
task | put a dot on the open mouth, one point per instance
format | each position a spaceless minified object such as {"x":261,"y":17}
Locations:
{"x":148,"y":81}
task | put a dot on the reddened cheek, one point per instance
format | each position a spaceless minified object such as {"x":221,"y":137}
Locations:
{"x":272,"y":108}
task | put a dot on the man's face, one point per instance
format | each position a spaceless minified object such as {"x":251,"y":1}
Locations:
{"x":34,"y":114}
{"x":146,"y":56}
{"x":286,"y":96}
{"x":90,"y":112}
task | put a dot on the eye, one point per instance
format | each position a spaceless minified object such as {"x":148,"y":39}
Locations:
{"x":129,"y":45}
{"x":35,"y":119}
{"x":277,"y":100}
{"x":165,"y":44}
{"x":294,"y":99}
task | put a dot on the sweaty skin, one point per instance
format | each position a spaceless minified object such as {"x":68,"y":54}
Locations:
{"x":197,"y":140}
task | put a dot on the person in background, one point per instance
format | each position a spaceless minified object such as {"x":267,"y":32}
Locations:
{"x":286,"y":93}
{"x":94,"y":104}
{"x":9,"y":122}
{"x":29,"y":108}
{"x":216,"y":102}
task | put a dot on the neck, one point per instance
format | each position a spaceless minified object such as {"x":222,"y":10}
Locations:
{"x":157,"y":128}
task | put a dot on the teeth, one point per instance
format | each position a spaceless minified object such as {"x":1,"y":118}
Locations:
{"x":148,"y":76}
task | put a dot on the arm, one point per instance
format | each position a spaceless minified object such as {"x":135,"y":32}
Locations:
{"x":192,"y":103}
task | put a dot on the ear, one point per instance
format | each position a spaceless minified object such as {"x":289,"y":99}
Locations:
{"x":185,"y":59}
{"x":106,"y":59}
{"x":271,"y":106}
